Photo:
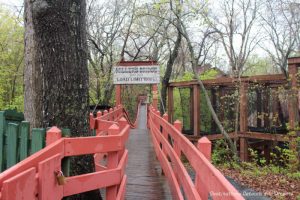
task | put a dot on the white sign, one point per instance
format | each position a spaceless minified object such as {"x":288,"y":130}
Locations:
{"x":136,"y":74}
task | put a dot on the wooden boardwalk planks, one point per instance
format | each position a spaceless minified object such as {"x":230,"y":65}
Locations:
{"x":143,"y":170}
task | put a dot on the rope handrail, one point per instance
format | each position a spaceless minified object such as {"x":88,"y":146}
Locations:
{"x":170,"y":144}
{"x":133,"y":125}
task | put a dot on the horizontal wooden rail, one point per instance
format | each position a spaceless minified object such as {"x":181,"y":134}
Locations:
{"x":249,"y":135}
{"x":170,"y":144}
{"x":36,"y":176}
{"x":272,"y":80}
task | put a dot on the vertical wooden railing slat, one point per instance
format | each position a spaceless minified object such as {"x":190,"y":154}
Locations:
{"x":24,"y":140}
{"x":112,"y":162}
{"x":21,"y":186}
{"x":11,"y":151}
{"x":66,"y":161}
{"x":2,"y":128}
{"x":38,"y":136}
{"x":48,"y":187}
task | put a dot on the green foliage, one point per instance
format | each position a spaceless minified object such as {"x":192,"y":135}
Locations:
{"x":295,"y":175}
{"x":182,"y":101}
{"x":11,"y":61}
{"x":256,"y":65}
{"x":222,"y":154}
{"x":209,"y":74}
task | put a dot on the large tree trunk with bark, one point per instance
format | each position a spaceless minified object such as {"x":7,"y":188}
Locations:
{"x":56,"y":74}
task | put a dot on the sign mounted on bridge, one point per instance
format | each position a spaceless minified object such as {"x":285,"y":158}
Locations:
{"x":140,"y":74}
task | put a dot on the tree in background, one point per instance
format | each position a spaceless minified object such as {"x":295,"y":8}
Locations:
{"x":107,"y":24}
{"x":11,"y":60}
{"x":235,"y":29}
{"x":56,"y":74}
{"x":281,"y":22}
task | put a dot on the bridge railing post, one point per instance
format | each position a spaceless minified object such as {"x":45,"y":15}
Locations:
{"x":164,"y":132}
{"x":111,"y":117}
{"x":105,"y":112}
{"x":92,"y":121}
{"x":53,"y":134}
{"x":157,"y":121}
{"x":178,"y":126}
{"x":122,"y":124}
{"x":99,"y":114}
{"x":112,"y":163}
{"x":204,"y":146}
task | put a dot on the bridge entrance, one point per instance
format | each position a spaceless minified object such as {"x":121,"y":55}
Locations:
{"x":137,"y":73}
{"x":123,"y":170}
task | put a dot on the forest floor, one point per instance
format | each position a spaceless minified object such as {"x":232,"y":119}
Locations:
{"x":274,"y":185}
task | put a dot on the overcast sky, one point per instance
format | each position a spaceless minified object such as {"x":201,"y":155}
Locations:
{"x":14,"y":5}
{"x":12,"y":2}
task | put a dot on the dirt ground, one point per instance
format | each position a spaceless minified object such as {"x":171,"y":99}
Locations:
{"x":275,"y":186}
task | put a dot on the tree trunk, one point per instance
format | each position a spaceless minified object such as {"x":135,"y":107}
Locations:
{"x":56,"y":74}
{"x":168,"y":73}
{"x":209,"y":104}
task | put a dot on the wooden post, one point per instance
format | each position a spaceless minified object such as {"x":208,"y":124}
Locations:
{"x":204,"y":146}
{"x":37,"y":139}
{"x":214,"y":104}
{"x":267,"y":151}
{"x":176,"y":147}
{"x":293,"y":108}
{"x":275,"y":108}
{"x":222,"y":104}
{"x":122,"y":123}
{"x":24,"y":138}
{"x":170,"y":104}
{"x":178,"y":126}
{"x":258,"y":107}
{"x":243,"y":122}
{"x":266,"y":110}
{"x":12,"y":138}
{"x":2,"y":133}
{"x":164,"y":132}
{"x":53,"y":134}
{"x":112,"y":163}
{"x":191,"y":106}
{"x":111,"y":117}
{"x":99,"y":114}
{"x":92,"y":121}
{"x":196,"y":109}
{"x":154,"y":96}
{"x":118,"y":95}
{"x":105,"y":112}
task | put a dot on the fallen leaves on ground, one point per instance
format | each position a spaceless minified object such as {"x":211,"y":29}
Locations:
{"x":276,"y":186}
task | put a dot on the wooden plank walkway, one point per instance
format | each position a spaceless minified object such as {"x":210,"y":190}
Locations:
{"x":143,"y":169}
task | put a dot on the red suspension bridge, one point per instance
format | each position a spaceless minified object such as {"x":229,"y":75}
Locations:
{"x":132,"y":171}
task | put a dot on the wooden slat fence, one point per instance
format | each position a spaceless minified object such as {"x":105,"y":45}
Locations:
{"x":16,"y":141}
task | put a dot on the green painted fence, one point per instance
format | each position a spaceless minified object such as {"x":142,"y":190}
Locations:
{"x":16,"y":141}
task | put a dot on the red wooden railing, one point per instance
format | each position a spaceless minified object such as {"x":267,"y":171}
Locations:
{"x":170,"y":144}
{"x":112,"y":115}
{"x":36,"y":176}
